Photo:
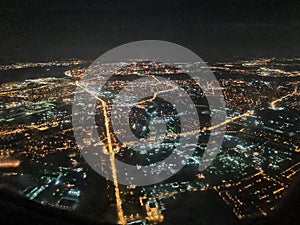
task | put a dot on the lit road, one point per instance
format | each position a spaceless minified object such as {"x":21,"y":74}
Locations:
{"x":112,"y":156}
{"x":295,"y":92}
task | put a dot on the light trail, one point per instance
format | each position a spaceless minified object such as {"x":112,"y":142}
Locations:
{"x":273,"y":103}
{"x":215,"y":126}
{"x":154,"y":96}
{"x":21,"y":89}
{"x":10,"y":164}
{"x":112,"y":156}
{"x":138,"y":104}
{"x":41,"y":127}
{"x":194,"y":132}
{"x":155,"y":78}
{"x":248,"y":113}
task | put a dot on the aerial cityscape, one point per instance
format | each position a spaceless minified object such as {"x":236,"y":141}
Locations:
{"x":258,"y":161}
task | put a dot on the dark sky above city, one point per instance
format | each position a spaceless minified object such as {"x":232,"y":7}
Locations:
{"x":215,"y":29}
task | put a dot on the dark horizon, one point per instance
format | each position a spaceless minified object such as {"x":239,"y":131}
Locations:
{"x":215,"y":30}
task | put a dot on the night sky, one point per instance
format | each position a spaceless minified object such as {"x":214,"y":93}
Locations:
{"x":214,"y":29}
